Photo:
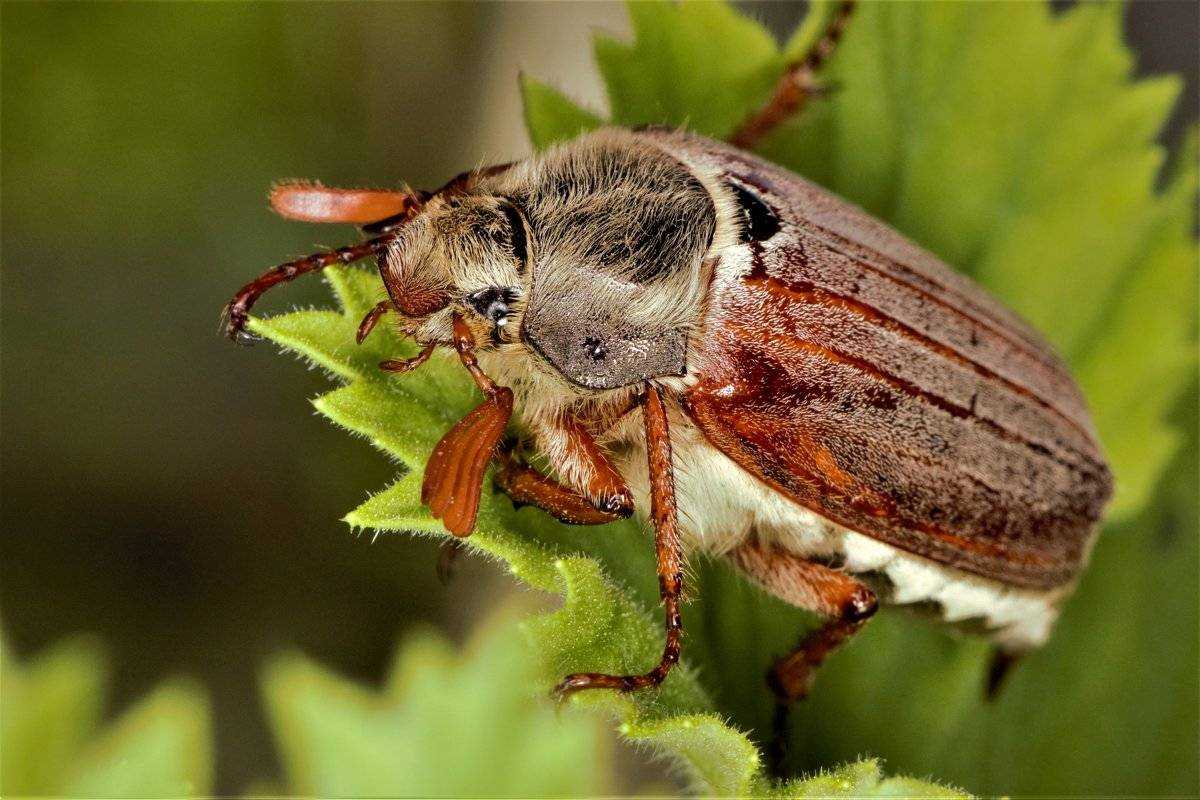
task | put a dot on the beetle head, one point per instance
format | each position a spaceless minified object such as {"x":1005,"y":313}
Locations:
{"x":464,"y":250}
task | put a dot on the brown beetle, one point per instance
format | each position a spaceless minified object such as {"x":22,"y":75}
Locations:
{"x":841,"y":415}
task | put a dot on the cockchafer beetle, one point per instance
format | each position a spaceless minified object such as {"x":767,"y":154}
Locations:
{"x":842,"y":416}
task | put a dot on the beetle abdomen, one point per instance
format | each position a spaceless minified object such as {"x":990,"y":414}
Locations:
{"x":866,"y":380}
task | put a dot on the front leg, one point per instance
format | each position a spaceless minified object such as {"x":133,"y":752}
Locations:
{"x":670,"y":556}
{"x":593,"y":491}
{"x":454,"y":473}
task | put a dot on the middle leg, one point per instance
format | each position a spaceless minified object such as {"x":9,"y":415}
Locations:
{"x":664,"y":515}
{"x":525,"y":485}
{"x":593,"y":491}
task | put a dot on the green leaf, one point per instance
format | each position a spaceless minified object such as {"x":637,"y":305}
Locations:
{"x":861,"y":779}
{"x":160,"y":748}
{"x":810,"y":30}
{"x":1146,"y":338}
{"x":696,"y":63}
{"x":51,"y":709}
{"x":48,"y":709}
{"x":550,"y":116}
{"x":446,"y":724}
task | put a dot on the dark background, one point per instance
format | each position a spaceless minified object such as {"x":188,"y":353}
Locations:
{"x":161,"y":488}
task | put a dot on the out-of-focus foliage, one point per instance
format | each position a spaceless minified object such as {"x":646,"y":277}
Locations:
{"x":445,"y":724}
{"x":1013,"y":143}
{"x":468,"y":724}
{"x":51,"y":742}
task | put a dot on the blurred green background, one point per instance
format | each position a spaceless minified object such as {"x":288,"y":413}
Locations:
{"x":138,"y":142}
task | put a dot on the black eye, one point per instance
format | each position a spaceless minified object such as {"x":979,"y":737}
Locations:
{"x":519,"y":247}
{"x":493,"y":303}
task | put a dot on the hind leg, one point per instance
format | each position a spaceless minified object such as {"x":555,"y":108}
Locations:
{"x":846,"y":604}
{"x":796,"y":86}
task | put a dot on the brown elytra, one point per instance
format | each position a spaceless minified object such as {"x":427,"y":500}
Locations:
{"x":872,"y":383}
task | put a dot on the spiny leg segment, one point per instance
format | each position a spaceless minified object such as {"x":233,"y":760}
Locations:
{"x":663,"y":514}
{"x":371,"y":320}
{"x":237,"y":311}
{"x":797,"y":84}
{"x":845,"y":602}
{"x":595,"y":492}
{"x":526,"y":485}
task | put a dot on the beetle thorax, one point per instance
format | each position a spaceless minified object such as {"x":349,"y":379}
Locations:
{"x":581,"y":273}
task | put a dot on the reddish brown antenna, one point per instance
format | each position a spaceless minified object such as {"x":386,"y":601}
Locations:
{"x":379,"y":210}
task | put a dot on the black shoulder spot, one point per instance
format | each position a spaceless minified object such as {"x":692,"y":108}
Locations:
{"x":759,"y":220}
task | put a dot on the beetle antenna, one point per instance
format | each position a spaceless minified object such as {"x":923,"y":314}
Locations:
{"x":307,"y":201}
{"x":389,"y":224}
{"x":237,"y":312}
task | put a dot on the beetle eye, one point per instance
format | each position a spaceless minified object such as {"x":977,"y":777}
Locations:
{"x":493,"y":303}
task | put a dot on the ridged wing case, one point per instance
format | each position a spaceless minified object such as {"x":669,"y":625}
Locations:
{"x":865,"y":379}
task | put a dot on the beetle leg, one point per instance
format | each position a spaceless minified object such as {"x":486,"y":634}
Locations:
{"x":238,"y":310}
{"x":669,"y":552}
{"x":592,"y":491}
{"x":844,"y":601}
{"x":999,"y":668}
{"x":464,"y":343}
{"x":797,"y":84}
{"x":454,"y":474}
{"x":525,"y":485}
{"x":408,"y":364}
{"x":371,"y":319}
{"x":447,"y":561}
